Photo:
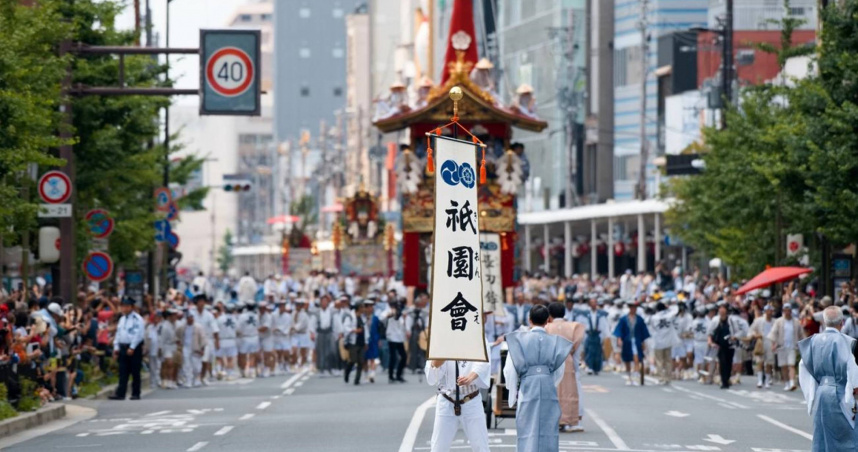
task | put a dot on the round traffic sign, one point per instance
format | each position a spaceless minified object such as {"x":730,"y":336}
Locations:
{"x":100,"y":223}
{"x":55,"y":187}
{"x":230,"y":71}
{"x":98,"y":266}
{"x":163,"y":198}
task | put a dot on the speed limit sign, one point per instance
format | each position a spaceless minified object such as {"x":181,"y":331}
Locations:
{"x":229,"y":72}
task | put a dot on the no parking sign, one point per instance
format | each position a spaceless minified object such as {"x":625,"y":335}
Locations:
{"x":98,"y":266}
{"x":229,"y":72}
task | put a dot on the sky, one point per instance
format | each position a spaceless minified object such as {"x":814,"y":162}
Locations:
{"x":187,"y":17}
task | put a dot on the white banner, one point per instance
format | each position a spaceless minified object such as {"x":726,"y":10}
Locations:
{"x":456,"y":316}
{"x":492,"y":282}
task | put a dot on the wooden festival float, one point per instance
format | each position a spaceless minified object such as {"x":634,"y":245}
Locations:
{"x":363,"y":242}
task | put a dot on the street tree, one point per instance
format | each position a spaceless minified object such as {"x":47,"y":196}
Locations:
{"x":31,"y":72}
{"x":225,"y":258}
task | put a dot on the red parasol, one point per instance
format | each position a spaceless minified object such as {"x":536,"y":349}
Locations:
{"x":283,"y":219}
{"x":772,"y":276}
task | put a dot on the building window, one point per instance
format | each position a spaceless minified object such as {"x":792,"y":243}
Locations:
{"x":305,"y":91}
{"x":796,"y":11}
{"x":338,"y":53}
{"x":304,"y":13}
{"x":626,"y":167}
{"x":337,"y":13}
{"x":245,"y":18}
{"x":338,"y":92}
{"x":304,"y":52}
{"x":247,"y":139}
{"x":627,"y":66}
{"x":266,"y":17}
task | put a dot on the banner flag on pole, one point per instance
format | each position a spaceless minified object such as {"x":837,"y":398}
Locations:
{"x":456,"y":330}
{"x":490,"y":256}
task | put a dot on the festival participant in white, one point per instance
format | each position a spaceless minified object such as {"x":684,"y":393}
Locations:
{"x":460,"y":404}
{"x":207,"y":321}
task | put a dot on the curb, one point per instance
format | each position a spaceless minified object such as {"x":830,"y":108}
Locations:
{"x":106,"y":391}
{"x":32,"y":419}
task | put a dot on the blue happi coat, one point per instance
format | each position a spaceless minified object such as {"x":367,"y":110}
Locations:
{"x":825,"y":358}
{"x":632,"y":340}
{"x":536,"y":355}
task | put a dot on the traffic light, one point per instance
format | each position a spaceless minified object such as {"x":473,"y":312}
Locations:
{"x":237,"y":187}
{"x":238,"y":183}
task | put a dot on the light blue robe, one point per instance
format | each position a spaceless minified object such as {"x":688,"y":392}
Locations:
{"x":536,"y":355}
{"x":827,"y":373}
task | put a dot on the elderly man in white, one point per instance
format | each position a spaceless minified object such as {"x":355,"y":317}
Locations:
{"x":829,"y":380}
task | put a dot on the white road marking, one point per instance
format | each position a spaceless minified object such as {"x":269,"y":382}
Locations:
{"x":223,"y":431}
{"x":197,"y":446}
{"x":727,"y":405}
{"x":246,"y":417}
{"x":718,"y":439}
{"x":410,"y":437}
{"x":609,"y":432}
{"x":82,"y":435}
{"x":159,"y":413}
{"x":299,"y":384}
{"x":707,"y":396}
{"x":677,"y":414}
{"x":289,"y":391}
{"x":275,"y":397}
{"x":786,"y":427}
{"x":263,"y":405}
{"x":293,"y":379}
{"x":667,"y":390}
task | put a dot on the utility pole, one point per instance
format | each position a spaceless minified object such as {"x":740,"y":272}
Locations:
{"x":644,"y":145}
{"x":68,"y":265}
{"x":570,"y":106}
{"x":727,"y":62}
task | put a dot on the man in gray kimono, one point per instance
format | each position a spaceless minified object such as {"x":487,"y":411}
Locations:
{"x":539,"y":360}
{"x":829,"y":380}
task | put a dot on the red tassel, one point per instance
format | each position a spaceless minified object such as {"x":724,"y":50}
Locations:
{"x":430,"y":162}
{"x":482,"y":166}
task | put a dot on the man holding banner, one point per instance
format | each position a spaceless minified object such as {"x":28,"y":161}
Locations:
{"x":458,"y":356}
{"x":459,"y":402}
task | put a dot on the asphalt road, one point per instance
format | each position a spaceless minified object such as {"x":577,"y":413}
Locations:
{"x":306,"y":412}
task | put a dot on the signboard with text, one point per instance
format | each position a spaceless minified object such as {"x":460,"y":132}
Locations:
{"x":230,"y":73}
{"x":456,"y":316}
{"x":490,"y":256}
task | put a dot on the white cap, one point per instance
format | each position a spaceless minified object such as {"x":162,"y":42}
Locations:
{"x":55,"y":309}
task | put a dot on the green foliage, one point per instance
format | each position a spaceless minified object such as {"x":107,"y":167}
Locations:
{"x":181,"y":171}
{"x":31,"y":73}
{"x":789,"y":155}
{"x":788,"y":24}
{"x":6,"y":408}
{"x":224,"y":253}
{"x":29,"y":400}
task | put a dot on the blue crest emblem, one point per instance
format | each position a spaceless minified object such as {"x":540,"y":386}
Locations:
{"x":467,"y":175}
{"x":450,"y":172}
